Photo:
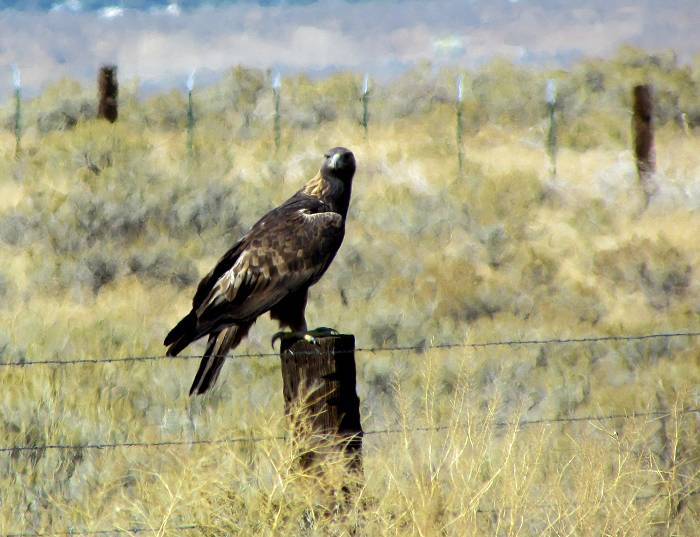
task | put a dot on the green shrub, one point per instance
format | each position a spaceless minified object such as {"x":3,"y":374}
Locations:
{"x":662,"y":272}
{"x":164,"y":266}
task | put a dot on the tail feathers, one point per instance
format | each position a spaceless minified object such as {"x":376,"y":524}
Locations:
{"x":182,"y":334}
{"x":215,"y":355}
{"x":209,"y":369}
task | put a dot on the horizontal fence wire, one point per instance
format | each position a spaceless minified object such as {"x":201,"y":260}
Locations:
{"x":166,"y":443}
{"x":255,"y":439}
{"x":544,"y":421}
{"x":396,"y":348}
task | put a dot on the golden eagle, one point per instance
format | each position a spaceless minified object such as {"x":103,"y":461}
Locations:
{"x":269,"y":269}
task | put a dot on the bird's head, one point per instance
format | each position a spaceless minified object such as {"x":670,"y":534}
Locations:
{"x":333,"y":183}
{"x":339,"y":163}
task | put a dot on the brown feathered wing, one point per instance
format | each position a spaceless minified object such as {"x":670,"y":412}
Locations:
{"x":284,"y":253}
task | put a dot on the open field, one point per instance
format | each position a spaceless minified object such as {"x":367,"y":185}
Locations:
{"x":105,"y":230}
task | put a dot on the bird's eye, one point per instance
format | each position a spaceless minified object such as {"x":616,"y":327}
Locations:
{"x":327,"y":155}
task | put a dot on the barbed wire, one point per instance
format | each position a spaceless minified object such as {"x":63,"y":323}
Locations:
{"x":393,"y":348}
{"x":115,"y":445}
{"x":388,"y":430}
{"x":544,"y":421}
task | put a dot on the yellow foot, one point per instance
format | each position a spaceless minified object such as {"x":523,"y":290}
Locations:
{"x":310,"y":335}
{"x":322,"y":331}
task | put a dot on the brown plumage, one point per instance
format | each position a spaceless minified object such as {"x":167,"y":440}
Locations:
{"x":269,"y":269}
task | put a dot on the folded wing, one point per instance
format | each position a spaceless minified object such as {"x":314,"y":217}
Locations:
{"x":286,"y":251}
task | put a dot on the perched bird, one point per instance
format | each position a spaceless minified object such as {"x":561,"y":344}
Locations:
{"x":269,"y":269}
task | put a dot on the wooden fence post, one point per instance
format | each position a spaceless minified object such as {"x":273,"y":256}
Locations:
{"x":643,"y":131}
{"x":190,"y":116}
{"x":17,"y":83}
{"x":365,"y":106}
{"x":551,"y":95}
{"x":460,"y":125}
{"x":108,"y":90}
{"x":276,"y":89}
{"x":321,"y":378}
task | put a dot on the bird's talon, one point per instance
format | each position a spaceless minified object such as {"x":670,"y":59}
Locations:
{"x":278,"y":335}
{"x":323,"y":331}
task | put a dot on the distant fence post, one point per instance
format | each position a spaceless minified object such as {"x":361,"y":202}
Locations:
{"x":276,"y":87}
{"x":17,"y":83}
{"x":319,"y":386}
{"x":365,"y":106}
{"x":643,"y":131}
{"x":552,"y":133}
{"x":684,"y":123}
{"x":190,"y":116}
{"x":460,"y":125}
{"x":109,"y":90}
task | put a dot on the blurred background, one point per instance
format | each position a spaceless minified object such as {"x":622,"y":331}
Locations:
{"x":159,"y":43}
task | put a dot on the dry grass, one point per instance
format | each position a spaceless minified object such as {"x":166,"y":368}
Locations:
{"x":102,"y":265}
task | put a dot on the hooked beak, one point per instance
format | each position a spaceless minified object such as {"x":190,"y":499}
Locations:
{"x":333,"y":163}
